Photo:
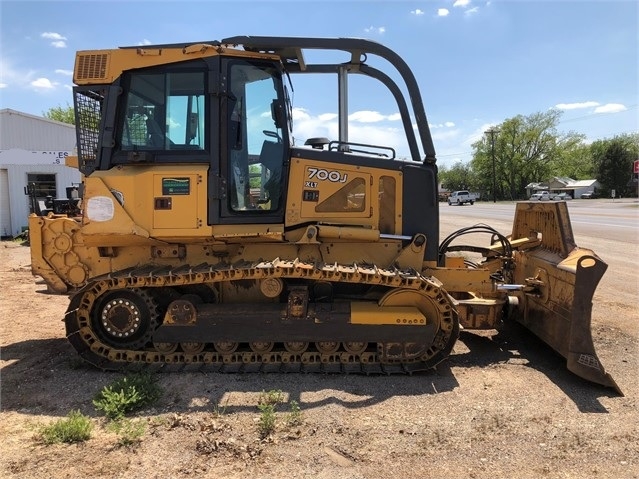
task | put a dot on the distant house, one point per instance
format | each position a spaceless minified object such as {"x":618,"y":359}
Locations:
{"x":562,"y":184}
{"x":582,"y":186}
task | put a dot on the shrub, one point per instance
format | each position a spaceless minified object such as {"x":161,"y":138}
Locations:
{"x":75,"y":428}
{"x":127,"y":394}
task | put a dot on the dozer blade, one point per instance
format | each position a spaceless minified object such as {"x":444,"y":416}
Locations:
{"x":564,"y":278}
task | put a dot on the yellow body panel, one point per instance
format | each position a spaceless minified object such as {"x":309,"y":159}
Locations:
{"x":137,"y":195}
{"x":167,"y":203}
{"x":344,"y":194}
{"x":104,"y":66}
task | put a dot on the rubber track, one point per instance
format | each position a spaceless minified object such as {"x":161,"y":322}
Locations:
{"x":94,"y":351}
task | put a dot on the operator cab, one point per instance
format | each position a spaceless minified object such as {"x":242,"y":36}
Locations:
{"x":226,"y":112}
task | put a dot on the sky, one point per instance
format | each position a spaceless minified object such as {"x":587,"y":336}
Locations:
{"x":477,"y":62}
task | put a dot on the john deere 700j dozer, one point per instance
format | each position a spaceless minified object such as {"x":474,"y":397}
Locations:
{"x":207,"y":236}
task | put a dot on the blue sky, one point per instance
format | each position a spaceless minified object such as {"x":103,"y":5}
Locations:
{"x":477,"y":62}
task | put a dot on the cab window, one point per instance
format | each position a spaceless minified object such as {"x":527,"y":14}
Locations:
{"x":255,"y":138}
{"x":164,"y":111}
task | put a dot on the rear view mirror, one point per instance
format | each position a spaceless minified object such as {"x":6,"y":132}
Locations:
{"x":277,"y":113}
{"x":191,"y":127}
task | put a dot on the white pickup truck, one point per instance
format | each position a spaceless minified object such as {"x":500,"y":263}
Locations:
{"x":461,"y":197}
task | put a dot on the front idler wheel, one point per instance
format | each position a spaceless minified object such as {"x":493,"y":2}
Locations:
{"x":125,"y":319}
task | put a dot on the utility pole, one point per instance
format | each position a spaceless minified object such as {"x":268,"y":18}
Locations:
{"x":492,"y":132}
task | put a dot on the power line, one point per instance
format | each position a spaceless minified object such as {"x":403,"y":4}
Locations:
{"x":455,"y":154}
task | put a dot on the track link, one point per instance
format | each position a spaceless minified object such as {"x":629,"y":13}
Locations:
{"x":83,"y":337}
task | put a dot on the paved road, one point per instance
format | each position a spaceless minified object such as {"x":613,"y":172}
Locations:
{"x":603,"y":218}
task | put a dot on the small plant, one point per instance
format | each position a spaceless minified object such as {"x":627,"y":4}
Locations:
{"x":267,"y":405}
{"x":75,"y":428}
{"x":219,"y":411}
{"x":272,"y":397}
{"x":266,"y":424}
{"x":129,"y":432}
{"x":295,"y":416}
{"x":127,"y":394}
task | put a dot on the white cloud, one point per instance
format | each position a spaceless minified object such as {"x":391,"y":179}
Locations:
{"x":327,"y":116}
{"x":598,"y":107}
{"x":43,"y":84}
{"x":461,"y":3}
{"x":478,"y":134}
{"x":145,"y":42}
{"x":576,"y":106}
{"x":307,"y":125}
{"x":300,"y":114}
{"x":59,"y":41}
{"x":447,"y":124}
{"x":610,"y":108}
{"x":417,"y":12}
{"x":53,"y":36}
{"x":442,"y":12}
{"x":3,"y":85}
{"x":471,"y":11}
{"x":377,"y":30}
{"x":366,"y":116}
{"x":64,"y":72}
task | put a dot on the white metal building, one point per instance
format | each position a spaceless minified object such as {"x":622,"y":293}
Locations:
{"x":32,"y":150}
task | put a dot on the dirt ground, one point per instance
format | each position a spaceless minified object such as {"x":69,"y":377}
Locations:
{"x":503,"y":406}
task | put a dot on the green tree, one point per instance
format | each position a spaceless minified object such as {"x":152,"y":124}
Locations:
{"x":63,"y":114}
{"x":613,"y":159}
{"x":458,"y":177}
{"x":576,"y":163}
{"x":526,"y":150}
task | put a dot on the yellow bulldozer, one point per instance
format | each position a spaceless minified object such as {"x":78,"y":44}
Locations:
{"x":208,"y":236}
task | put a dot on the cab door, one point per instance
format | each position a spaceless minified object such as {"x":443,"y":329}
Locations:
{"x":254,"y":143}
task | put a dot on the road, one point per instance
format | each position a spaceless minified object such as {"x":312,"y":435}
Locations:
{"x":603,"y":219}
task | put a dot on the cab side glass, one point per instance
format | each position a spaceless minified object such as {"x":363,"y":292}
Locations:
{"x":255,"y":137}
{"x":164,"y":111}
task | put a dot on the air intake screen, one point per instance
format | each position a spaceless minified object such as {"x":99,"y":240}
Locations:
{"x":91,"y":67}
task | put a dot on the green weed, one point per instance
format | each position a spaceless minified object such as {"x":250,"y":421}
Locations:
{"x":266,"y":424}
{"x":272,"y":397}
{"x":127,"y":394}
{"x":295,"y":416}
{"x":75,"y":428}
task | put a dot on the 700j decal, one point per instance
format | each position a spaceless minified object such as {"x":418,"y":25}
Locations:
{"x":322,"y":175}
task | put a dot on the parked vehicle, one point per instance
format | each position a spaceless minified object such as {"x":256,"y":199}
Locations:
{"x":588,"y":195}
{"x":461,"y":197}
{"x":540,"y":196}
{"x":562,"y":197}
